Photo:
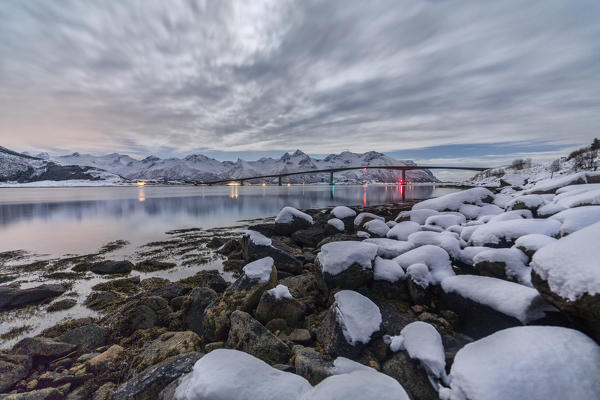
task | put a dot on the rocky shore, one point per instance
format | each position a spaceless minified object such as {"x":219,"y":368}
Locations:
{"x":457,"y":297}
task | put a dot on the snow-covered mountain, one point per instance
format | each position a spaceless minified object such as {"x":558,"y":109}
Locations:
{"x":201,"y":168}
{"x":19,"y":167}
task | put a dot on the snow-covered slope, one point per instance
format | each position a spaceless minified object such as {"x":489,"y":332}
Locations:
{"x":202,"y":168}
{"x":17,"y":167}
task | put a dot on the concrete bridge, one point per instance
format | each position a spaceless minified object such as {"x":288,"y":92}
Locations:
{"x":331,"y":171}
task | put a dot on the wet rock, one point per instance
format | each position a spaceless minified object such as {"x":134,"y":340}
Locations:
{"x":271,"y":307}
{"x":251,"y":336}
{"x":311,"y":364}
{"x":170,"y":291}
{"x":60,"y":305}
{"x":230,"y":246}
{"x":215,"y":242}
{"x":141,"y":313}
{"x":309,"y":237}
{"x":148,"y":383}
{"x":210,"y":279}
{"x":107,"y":360}
{"x":86,"y":338}
{"x":13,"y":368}
{"x":410,"y":375}
{"x":168,"y":344}
{"x":112,"y":267}
{"x":276,"y":249}
{"x":193,"y":308}
{"x":124,"y":285}
{"x":13,"y":298}
{"x":42,"y":349}
{"x":101,"y":300}
{"x":42,"y":394}
{"x":153,"y":265}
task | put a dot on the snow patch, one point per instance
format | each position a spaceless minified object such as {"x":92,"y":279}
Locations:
{"x":358,"y":316}
{"x":337,"y":224}
{"x":387,"y":270}
{"x":259,"y":270}
{"x":280,"y":292}
{"x":435,"y":258}
{"x":287,"y":215}
{"x":342,"y":212}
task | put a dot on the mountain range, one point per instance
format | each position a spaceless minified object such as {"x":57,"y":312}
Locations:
{"x":24,"y":167}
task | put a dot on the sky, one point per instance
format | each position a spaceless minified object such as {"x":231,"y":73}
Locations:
{"x":438,"y":81}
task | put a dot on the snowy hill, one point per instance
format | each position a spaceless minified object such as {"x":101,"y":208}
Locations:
{"x":20,"y":168}
{"x":202,"y":168}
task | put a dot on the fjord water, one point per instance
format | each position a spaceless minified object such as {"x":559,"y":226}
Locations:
{"x":78,"y":220}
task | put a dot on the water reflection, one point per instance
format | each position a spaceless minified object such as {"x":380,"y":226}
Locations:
{"x":60,"y":220}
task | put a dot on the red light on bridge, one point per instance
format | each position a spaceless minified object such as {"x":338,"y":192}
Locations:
{"x":365,"y":168}
{"x":400,"y":180}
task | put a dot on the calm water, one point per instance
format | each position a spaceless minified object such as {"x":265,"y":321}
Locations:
{"x":77,"y":220}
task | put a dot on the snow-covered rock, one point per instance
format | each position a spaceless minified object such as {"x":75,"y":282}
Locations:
{"x":445,"y":220}
{"x":435,"y":258}
{"x":511,"y":215}
{"x":420,"y":275}
{"x":525,"y":363}
{"x":510,"y":263}
{"x":376,"y":228}
{"x":423,"y":343}
{"x":529,"y":244}
{"x":526,"y":202}
{"x":453,"y":201}
{"x":446,"y":240}
{"x":471,"y":211}
{"x":337,"y":224}
{"x":574,"y":219}
{"x":280,"y":292}
{"x":506,"y":232}
{"x":390,"y":248}
{"x":358,"y":316}
{"x":342,"y":212}
{"x":287,"y":215}
{"x":257,"y":238}
{"x":387,"y":270}
{"x":259,"y":270}
{"x":347,"y":265}
{"x":550,"y":185}
{"x":419,"y":216}
{"x":362,"y":235}
{"x":364,"y":217}
{"x":401,"y":230}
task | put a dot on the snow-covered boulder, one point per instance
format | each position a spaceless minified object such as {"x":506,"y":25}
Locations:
{"x":419,"y":216}
{"x":336,"y":223}
{"x":389,"y":280}
{"x":504,"y":233}
{"x":363,"y":235}
{"x":510,"y":215}
{"x":445,"y":220}
{"x":466,"y":256}
{"x":401,"y":230}
{"x":446,"y":240}
{"x":471,"y":211}
{"x":423,"y":343}
{"x":348,"y":264}
{"x":289,"y":220}
{"x":390,"y":248}
{"x":255,"y":246}
{"x":234,"y":375}
{"x":365,"y":217}
{"x":525,"y":363}
{"x":574,"y":219}
{"x":376,"y":228}
{"x":509,"y":264}
{"x":487,"y":304}
{"x":529,"y":244}
{"x":453,"y":201}
{"x":526,"y":202}
{"x":436,"y":259}
{"x":349,"y":324}
{"x":572,"y":199}
{"x":388,"y":270}
{"x":342,"y":212}
{"x":566,"y":272}
{"x":279,"y":303}
{"x":550,"y":185}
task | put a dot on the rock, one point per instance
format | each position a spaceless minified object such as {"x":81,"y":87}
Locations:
{"x":13,"y":298}
{"x":277,"y":325}
{"x":230,"y":246}
{"x":213,"y":346}
{"x":60,"y":305}
{"x":42,"y":349}
{"x":153,"y":283}
{"x":271,"y":307}
{"x":244,"y":294}
{"x":252,"y":337}
{"x":309,"y":289}
{"x":210,"y":279}
{"x":13,"y":368}
{"x":281,"y":253}
{"x":42,"y":394}
{"x":410,"y":375}
{"x":168,"y":344}
{"x":153,"y":265}
{"x":123,"y":285}
{"x":301,"y":336}
{"x":106,"y":360}
{"x":141,"y":313}
{"x":112,"y":267}
{"x":290,"y":220}
{"x":170,"y":291}
{"x":346,"y":265}
{"x":148,"y":383}
{"x":311,"y":364}
{"x":309,"y":237}
{"x":193,"y":309}
{"x":55,"y":379}
{"x":102,"y":300}
{"x":352,"y":277}
{"x":105,"y":391}
{"x":340,"y":237}
{"x":87,"y":338}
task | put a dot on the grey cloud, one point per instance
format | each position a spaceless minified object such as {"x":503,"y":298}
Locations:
{"x":317,"y":75}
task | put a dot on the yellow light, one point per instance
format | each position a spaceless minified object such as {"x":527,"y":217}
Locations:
{"x":289,"y":184}
{"x":233,"y":184}
{"x":141,"y":183}
{"x":263,"y":184}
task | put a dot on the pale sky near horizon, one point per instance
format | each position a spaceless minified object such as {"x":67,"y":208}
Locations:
{"x":438,"y":81}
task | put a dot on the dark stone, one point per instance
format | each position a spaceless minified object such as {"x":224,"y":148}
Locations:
{"x":340,"y":237}
{"x":287,"y":309}
{"x":112,"y":267}
{"x":148,"y":383}
{"x":141,"y":313}
{"x":42,"y":394}
{"x":207,"y":278}
{"x":279,"y":251}
{"x":102,"y":300}
{"x":42,"y":349}
{"x":309,"y":237}
{"x":60,"y":305}
{"x":86,"y":338}
{"x":55,"y":379}
{"x":266,"y":229}
{"x":13,"y":298}
{"x":13,"y":368}
{"x":351,"y":278}
{"x":308,"y":288}
{"x":170,"y":291}
{"x":230,"y":246}
{"x":252,"y":337}
{"x":411,"y":376}
{"x":311,"y":364}
{"x":215,"y":242}
{"x":199,"y":299}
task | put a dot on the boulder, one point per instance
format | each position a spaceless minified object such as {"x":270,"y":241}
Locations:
{"x":290,"y":220}
{"x":107,"y":360}
{"x":311,"y":364}
{"x":256,"y":246}
{"x":13,"y":368}
{"x":101,"y":300}
{"x":112,"y":267}
{"x":309,"y":237}
{"x":170,"y":291}
{"x":411,"y":376}
{"x":141,"y":313}
{"x":252,"y":337}
{"x":273,"y":305}
{"x":42,"y":349}
{"x":193,"y":308}
{"x":208,"y":278}
{"x":308,"y":288}
{"x":346,"y":265}
{"x":13,"y":298}
{"x":166,"y":345}
{"x":86,"y":337}
{"x":148,"y":383}
{"x":42,"y":394}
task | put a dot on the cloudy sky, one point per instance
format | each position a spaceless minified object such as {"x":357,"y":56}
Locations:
{"x":446,"y":81}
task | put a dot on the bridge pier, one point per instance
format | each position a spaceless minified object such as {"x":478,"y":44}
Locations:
{"x":279,"y":181}
{"x":404,"y":177}
{"x":331,"y":182}
{"x":241,"y":182}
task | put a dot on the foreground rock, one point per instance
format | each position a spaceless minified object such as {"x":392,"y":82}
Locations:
{"x":112,"y":267}
{"x":14,"y":298}
{"x":42,"y":349}
{"x":256,"y":246}
{"x":13,"y":368}
{"x":347,"y":265}
{"x":279,"y":303}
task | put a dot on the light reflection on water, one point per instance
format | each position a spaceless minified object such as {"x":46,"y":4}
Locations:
{"x":58,"y":221}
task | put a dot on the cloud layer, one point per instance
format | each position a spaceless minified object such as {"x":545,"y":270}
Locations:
{"x":323,"y":76}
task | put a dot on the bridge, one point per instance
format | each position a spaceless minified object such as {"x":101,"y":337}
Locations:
{"x":331,"y":171}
